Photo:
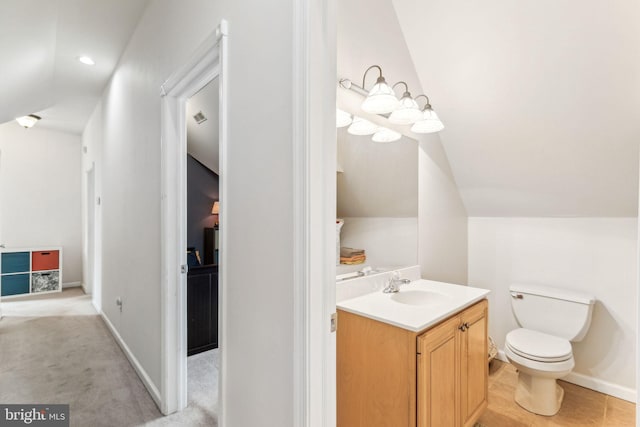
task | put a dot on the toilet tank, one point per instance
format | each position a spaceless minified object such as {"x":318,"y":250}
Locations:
{"x":561,"y":312}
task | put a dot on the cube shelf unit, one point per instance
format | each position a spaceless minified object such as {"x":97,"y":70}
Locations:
{"x":30,"y":271}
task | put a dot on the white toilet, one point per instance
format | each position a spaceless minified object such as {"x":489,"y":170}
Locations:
{"x":541,"y":350}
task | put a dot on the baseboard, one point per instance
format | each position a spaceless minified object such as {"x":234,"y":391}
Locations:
{"x":98,"y":309}
{"x":153,"y":390}
{"x":71,"y":285}
{"x":615,"y":390}
{"x":602,"y":386}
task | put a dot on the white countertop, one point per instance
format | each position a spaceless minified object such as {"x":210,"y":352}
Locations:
{"x":436,"y":301}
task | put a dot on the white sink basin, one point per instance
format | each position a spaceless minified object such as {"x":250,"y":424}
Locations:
{"x":417,"y":306}
{"x":419,"y":297}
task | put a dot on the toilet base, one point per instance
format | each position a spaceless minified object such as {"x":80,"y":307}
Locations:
{"x":542,"y":396}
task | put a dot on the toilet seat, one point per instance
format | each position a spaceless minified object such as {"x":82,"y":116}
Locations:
{"x":538,"y":346}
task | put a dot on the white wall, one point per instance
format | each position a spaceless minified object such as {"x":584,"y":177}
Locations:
{"x":377,"y":180}
{"x":40,"y":192}
{"x":258,"y":385}
{"x":442,"y":217}
{"x":388,"y":242}
{"x":594,"y":255}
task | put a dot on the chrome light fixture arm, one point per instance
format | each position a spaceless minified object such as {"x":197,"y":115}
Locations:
{"x":427,"y":106}
{"x":406,"y":88}
{"x":348,"y":84}
{"x":380,"y":78}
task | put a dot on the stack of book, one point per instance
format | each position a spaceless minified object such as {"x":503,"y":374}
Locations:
{"x":352,"y":256}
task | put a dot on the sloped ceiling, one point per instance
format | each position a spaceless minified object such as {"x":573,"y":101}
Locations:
{"x":39,"y":45}
{"x":202,"y":139}
{"x":540,"y":101}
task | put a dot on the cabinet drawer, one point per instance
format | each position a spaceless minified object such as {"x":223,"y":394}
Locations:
{"x":15,"y":262}
{"x":44,"y":282}
{"x":45,"y":260}
{"x":14,"y":284}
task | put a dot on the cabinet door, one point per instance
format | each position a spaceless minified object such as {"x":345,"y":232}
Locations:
{"x":474,"y":363}
{"x":439,"y":375}
{"x":202,"y":309}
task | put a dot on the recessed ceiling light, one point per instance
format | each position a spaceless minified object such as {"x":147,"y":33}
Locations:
{"x":86,"y":60}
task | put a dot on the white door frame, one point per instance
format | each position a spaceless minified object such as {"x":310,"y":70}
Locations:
{"x":314,"y":218}
{"x":207,"y":63}
{"x":90,"y":229}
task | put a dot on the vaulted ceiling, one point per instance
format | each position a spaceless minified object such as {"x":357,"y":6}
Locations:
{"x":40,"y":42}
{"x":539,"y":98}
{"x":202,"y":138}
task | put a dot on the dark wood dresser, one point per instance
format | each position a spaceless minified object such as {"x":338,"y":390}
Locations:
{"x":202,"y":309}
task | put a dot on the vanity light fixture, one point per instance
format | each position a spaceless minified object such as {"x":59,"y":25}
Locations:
{"x":342,"y":118}
{"x":408,"y":111}
{"x":381,"y":99}
{"x":430,"y":122}
{"x":28,"y":121}
{"x":386,"y":135}
{"x":361,"y":126}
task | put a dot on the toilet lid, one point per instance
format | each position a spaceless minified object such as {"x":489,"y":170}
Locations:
{"x":538,"y":346}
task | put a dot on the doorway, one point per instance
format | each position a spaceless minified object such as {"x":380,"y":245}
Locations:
{"x":91,"y":222}
{"x":205,"y":65}
{"x":202,"y":226}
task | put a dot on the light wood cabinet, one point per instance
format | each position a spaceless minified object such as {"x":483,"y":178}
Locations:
{"x":439,"y":375}
{"x":474,"y":369}
{"x":389,"y":376}
{"x":453,"y":370}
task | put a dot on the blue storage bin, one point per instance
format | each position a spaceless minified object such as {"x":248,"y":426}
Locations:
{"x":16,"y":262}
{"x":14,"y":284}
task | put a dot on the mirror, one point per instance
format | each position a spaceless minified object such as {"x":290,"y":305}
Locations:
{"x":377,"y":197}
{"x":202,"y":174}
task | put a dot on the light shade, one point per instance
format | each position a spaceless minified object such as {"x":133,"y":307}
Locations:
{"x":28,"y":121}
{"x":342,"y":118}
{"x":215,"y":210}
{"x":386,"y":135}
{"x":407,"y":112}
{"x":381,"y":99}
{"x":361,"y":126}
{"x":430,"y":123}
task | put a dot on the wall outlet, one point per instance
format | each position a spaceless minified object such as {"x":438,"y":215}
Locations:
{"x":119,"y":303}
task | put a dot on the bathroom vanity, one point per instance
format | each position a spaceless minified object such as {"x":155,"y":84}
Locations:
{"x":413,"y":358}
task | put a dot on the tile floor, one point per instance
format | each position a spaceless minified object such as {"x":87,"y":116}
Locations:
{"x":581,"y":407}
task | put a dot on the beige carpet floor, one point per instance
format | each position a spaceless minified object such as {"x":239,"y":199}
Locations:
{"x":69,"y":302}
{"x":74,"y":359}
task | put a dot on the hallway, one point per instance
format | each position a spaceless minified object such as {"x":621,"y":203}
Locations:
{"x":63,"y":353}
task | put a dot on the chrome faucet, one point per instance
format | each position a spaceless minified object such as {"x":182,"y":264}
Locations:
{"x":394,"y":283}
